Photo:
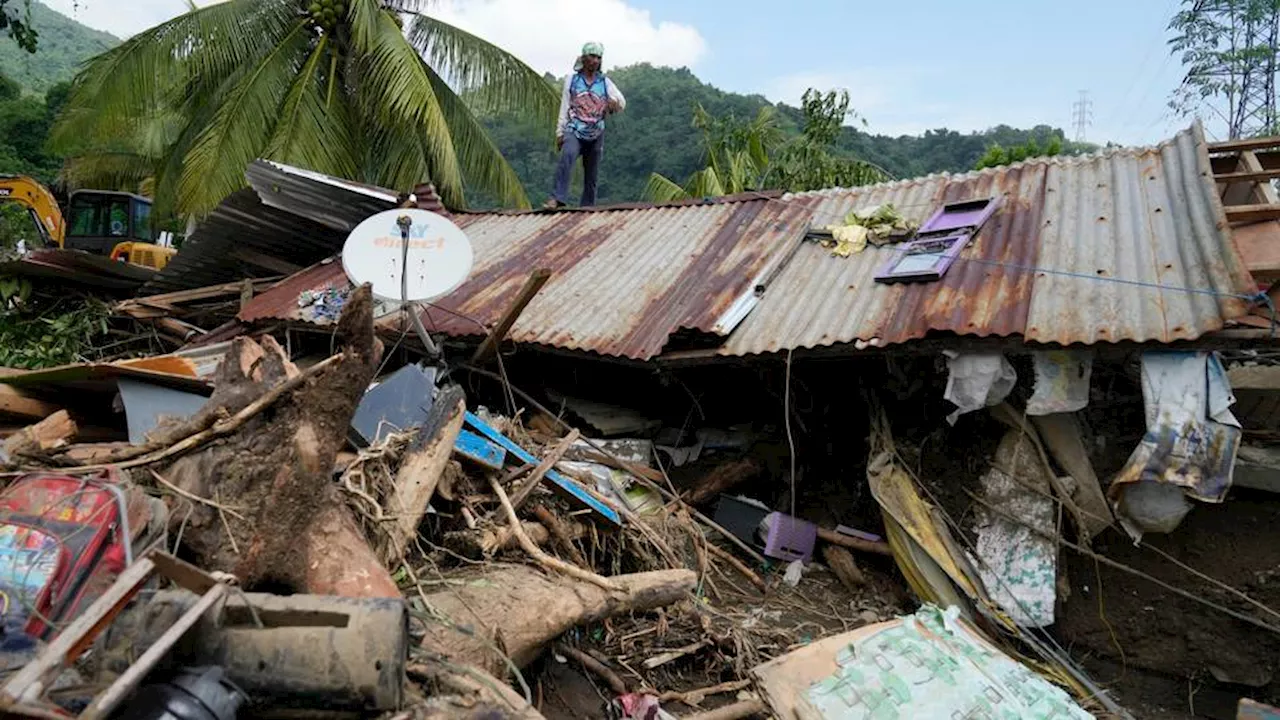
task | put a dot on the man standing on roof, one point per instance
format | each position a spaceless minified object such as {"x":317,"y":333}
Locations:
{"x":585,"y":100}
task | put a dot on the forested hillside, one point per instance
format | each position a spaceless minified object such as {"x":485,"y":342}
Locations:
{"x":63,"y":45}
{"x":655,"y":135}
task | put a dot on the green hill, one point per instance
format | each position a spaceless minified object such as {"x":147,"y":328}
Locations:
{"x":64,"y":44}
{"x":655,"y":135}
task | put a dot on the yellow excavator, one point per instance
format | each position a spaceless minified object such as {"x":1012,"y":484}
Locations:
{"x":115,"y":224}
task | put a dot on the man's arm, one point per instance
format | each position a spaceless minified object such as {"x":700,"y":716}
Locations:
{"x":562,"y":120}
{"x":615,"y":95}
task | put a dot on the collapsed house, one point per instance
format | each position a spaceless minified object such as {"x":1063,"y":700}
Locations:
{"x":1009,"y":392}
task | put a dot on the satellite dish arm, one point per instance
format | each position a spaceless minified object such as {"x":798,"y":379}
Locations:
{"x":404,"y":222}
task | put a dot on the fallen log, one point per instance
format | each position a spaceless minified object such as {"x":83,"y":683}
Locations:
{"x":291,"y":530}
{"x":51,"y":432}
{"x":521,"y":610}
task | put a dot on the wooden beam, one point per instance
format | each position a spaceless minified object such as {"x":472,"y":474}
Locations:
{"x":262,"y":260}
{"x":1253,"y":212}
{"x":15,"y":402}
{"x":1256,"y":176}
{"x":204,"y":293}
{"x":536,"y":280}
{"x":1229,"y":146}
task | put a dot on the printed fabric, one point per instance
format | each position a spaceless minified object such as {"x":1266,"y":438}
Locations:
{"x":587,"y":104}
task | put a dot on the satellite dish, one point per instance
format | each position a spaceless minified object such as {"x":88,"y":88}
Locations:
{"x":439,"y":255}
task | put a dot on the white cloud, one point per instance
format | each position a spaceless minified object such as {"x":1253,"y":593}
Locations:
{"x":547,"y":34}
{"x":118,"y":17}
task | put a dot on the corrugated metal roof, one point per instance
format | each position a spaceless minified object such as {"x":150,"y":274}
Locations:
{"x":1126,"y":245}
{"x":1083,"y":250}
{"x":243,"y":227}
{"x":290,"y":215}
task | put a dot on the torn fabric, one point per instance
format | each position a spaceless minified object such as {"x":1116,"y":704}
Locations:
{"x":1192,"y":437}
{"x":1017,"y":555}
{"x":1062,"y":381}
{"x":977,"y":380}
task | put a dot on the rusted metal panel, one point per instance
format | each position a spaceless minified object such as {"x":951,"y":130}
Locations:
{"x":1130,"y":245}
{"x":1127,"y":245}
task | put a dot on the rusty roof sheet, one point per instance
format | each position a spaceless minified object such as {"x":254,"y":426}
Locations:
{"x":1125,"y":245}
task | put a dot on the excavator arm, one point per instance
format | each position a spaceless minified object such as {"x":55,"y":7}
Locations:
{"x":36,"y":197}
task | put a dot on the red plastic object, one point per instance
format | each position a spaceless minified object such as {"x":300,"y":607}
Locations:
{"x":60,"y":545}
{"x":790,"y":538}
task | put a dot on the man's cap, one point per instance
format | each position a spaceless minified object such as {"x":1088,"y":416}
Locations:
{"x":593,"y":48}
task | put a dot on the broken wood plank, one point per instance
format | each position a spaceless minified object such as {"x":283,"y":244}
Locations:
{"x":843,"y":566}
{"x":532,"y":285}
{"x":1062,"y":438}
{"x":420,"y":471}
{"x":51,"y":432}
{"x":539,"y":472}
{"x":480,"y":451}
{"x":571,"y":490}
{"x":15,"y":402}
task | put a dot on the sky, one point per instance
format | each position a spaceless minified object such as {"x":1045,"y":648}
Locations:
{"x":909,"y":67}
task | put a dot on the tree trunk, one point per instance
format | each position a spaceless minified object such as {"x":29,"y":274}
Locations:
{"x":521,"y":610}
{"x":290,"y":527}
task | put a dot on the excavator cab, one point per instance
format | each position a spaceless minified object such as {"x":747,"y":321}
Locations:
{"x":115,"y":224}
{"x":98,"y":220}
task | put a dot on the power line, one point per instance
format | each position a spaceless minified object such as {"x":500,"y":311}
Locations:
{"x":1082,"y":115}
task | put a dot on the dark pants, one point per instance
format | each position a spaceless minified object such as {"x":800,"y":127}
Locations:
{"x":591,"y":152}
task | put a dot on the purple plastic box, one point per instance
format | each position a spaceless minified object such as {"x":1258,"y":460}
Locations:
{"x":790,"y":538}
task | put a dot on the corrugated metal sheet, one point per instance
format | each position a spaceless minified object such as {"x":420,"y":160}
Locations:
{"x":1083,"y":250}
{"x":1128,"y":245}
{"x":243,"y":223}
{"x":290,"y":215}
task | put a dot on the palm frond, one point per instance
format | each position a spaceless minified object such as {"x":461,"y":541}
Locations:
{"x":469,"y":63}
{"x":313,"y":132}
{"x":398,"y":92}
{"x":135,"y":77}
{"x":661,"y":189}
{"x":705,"y":183}
{"x":242,"y":126}
{"x":107,"y":171}
{"x":482,"y":162}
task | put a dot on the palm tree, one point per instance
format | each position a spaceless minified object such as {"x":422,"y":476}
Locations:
{"x":737,"y":157}
{"x":336,"y":86}
{"x":756,"y":156}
